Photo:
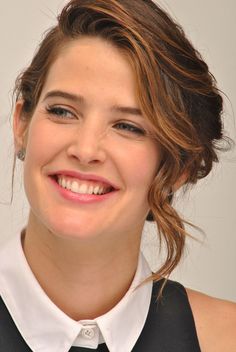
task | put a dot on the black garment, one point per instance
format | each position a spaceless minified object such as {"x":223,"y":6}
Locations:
{"x":169,"y":326}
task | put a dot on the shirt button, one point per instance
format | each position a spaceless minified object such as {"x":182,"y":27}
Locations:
{"x":88,"y":333}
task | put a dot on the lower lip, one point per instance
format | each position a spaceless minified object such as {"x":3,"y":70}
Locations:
{"x":81,"y":198}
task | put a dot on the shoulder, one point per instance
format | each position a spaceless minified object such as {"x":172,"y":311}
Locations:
{"x":215,"y":321}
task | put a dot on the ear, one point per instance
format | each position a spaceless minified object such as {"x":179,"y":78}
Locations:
{"x":20,"y":126}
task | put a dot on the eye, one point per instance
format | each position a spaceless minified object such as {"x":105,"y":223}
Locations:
{"x":127,"y":127}
{"x":60,"y":112}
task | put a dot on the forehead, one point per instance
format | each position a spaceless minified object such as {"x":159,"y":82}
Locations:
{"x":94,"y":66}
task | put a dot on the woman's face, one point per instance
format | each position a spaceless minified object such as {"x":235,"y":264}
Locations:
{"x":88,"y":123}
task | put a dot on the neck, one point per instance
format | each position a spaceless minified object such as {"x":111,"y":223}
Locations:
{"x":84,"y":279}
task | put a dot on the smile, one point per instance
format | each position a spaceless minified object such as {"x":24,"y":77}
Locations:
{"x":83,"y":187}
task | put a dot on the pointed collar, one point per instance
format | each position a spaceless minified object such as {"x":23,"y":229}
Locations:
{"x":46,"y":328}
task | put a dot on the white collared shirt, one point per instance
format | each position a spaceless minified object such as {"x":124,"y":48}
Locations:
{"x":45,"y":328}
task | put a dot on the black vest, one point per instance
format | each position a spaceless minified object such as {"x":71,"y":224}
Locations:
{"x":169,"y":326}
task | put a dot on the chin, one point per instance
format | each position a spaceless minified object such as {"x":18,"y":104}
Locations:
{"x":67,"y":229}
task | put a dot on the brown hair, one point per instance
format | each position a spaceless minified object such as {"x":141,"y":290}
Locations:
{"x":177,"y":93}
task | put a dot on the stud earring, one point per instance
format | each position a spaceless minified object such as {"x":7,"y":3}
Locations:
{"x":21,"y":155}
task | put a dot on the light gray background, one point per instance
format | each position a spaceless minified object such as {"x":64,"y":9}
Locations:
{"x":208,"y":265}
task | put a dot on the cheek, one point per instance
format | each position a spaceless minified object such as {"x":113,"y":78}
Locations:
{"x":142,"y":165}
{"x":42,"y":142}
{"x":143,"y":178}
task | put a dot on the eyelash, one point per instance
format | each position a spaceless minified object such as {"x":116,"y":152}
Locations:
{"x":61,"y":112}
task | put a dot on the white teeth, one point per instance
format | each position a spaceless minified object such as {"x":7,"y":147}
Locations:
{"x":75,"y":187}
{"x":63,"y":183}
{"x":68,"y":185}
{"x":81,"y":188}
{"x":96,"y":190}
{"x":101,"y":190}
{"x":90,"y":190}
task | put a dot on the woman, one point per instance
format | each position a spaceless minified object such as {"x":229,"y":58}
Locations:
{"x":115,"y":113}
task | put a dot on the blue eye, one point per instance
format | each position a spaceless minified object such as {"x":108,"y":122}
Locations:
{"x":127,"y":127}
{"x":60,"y":112}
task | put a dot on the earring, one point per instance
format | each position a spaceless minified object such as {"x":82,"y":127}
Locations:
{"x":21,"y":154}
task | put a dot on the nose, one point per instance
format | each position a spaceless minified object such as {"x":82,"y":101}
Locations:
{"x":87,"y":145}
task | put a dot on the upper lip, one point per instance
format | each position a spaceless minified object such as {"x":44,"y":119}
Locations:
{"x":81,"y":176}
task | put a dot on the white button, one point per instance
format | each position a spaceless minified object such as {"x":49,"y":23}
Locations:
{"x":88,"y":333}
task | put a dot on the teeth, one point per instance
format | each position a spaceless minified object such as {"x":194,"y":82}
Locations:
{"x":90,"y":190}
{"x":96,"y":190}
{"x":81,"y":188}
{"x":63,"y":183}
{"x":68,"y":185}
{"x":74,"y":187}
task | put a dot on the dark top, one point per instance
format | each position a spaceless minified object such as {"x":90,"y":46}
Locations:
{"x":169,"y":326}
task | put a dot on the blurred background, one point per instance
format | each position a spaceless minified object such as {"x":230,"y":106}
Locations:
{"x":209,"y":263}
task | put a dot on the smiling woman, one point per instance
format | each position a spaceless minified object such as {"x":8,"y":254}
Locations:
{"x":100,"y":133}
{"x":115,"y":113}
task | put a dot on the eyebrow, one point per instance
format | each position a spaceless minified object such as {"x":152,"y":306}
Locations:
{"x":79,"y":99}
